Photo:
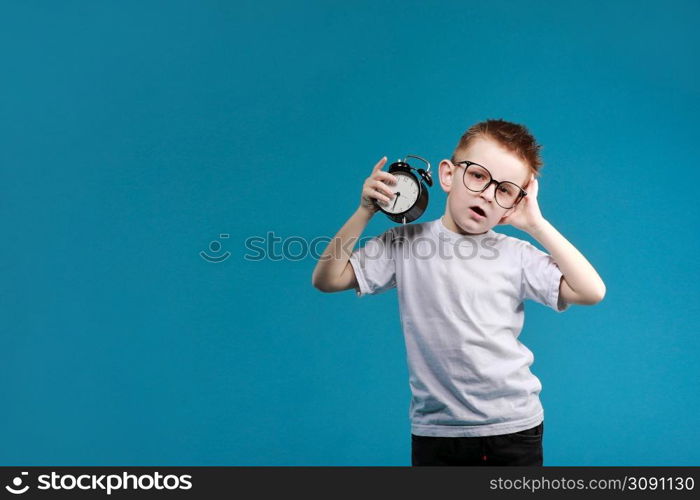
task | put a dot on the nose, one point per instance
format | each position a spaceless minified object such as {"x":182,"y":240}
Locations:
{"x":489,"y":194}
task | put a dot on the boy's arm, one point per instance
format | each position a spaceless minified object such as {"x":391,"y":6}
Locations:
{"x":580,"y":282}
{"x":333,"y":272}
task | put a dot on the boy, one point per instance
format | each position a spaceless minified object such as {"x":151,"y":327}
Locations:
{"x":461,"y":288}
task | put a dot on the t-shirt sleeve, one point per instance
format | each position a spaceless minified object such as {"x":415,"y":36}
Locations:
{"x":374,"y":266}
{"x":541,"y":278}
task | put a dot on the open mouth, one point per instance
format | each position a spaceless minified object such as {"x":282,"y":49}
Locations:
{"x":478,"y":211}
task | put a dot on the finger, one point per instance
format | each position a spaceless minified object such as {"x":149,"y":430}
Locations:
{"x":387,"y":176}
{"x":383,"y":188}
{"x":378,"y":196}
{"x":379,"y":165}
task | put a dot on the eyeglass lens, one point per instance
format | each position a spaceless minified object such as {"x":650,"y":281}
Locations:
{"x":476,"y":178}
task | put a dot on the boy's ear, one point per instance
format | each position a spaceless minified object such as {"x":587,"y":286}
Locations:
{"x":446,"y":175}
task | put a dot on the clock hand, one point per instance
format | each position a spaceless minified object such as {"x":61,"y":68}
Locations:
{"x":397,"y":199}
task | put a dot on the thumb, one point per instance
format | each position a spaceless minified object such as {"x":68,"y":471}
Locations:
{"x":506,"y":217}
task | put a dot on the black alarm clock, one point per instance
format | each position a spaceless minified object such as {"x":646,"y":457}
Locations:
{"x":411,"y":190}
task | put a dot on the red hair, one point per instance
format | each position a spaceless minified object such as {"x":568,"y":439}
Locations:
{"x":514,"y":137}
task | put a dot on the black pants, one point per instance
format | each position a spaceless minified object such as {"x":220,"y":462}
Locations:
{"x":518,"y":448}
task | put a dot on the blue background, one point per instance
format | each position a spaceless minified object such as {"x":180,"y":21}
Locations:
{"x":133,"y":134}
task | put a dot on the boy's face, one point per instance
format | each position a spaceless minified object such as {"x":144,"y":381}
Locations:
{"x":503,"y":166}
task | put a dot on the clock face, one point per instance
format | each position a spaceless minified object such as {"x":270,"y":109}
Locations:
{"x":407,"y":191}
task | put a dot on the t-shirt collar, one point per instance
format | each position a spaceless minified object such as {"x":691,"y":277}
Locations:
{"x":443,"y":232}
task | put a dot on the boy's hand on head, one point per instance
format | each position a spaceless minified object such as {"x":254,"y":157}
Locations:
{"x":376,"y":188}
{"x":526,"y":215}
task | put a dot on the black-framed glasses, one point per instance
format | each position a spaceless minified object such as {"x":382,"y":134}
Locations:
{"x":477,"y":178}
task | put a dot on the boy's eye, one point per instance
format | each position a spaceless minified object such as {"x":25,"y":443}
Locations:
{"x":477,"y":175}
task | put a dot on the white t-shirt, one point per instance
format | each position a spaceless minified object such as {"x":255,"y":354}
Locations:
{"x":461,"y":307}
